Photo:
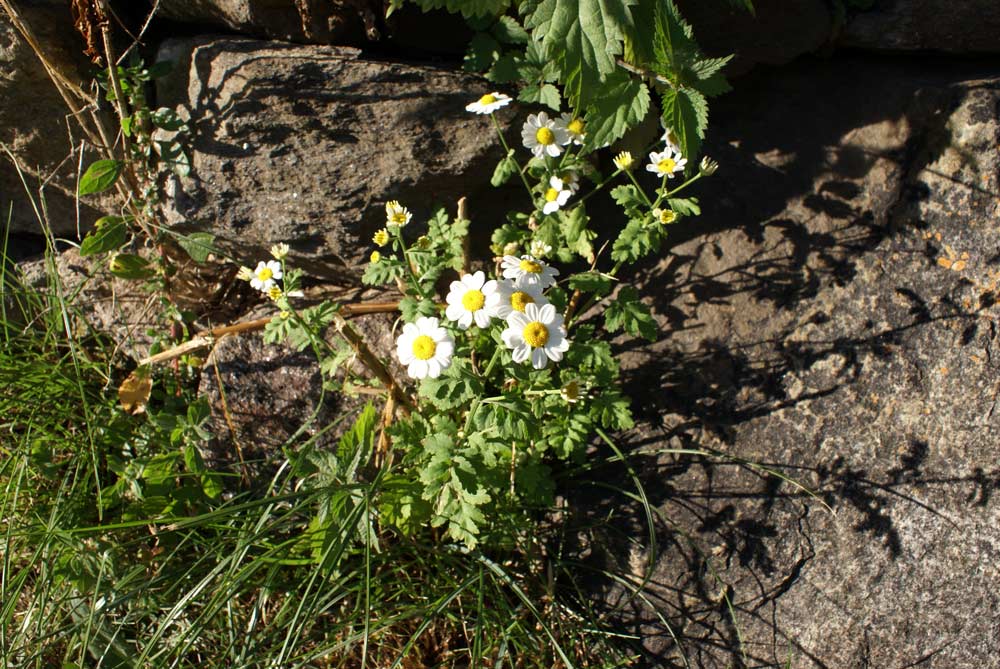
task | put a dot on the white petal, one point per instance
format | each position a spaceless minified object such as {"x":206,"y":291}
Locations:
{"x":546,"y":314}
{"x":482,"y":318}
{"x":538,"y":359}
{"x":531,"y":313}
{"x":465,"y":320}
{"x":512,"y":338}
{"x":417,"y":368}
{"x":554,"y":354}
{"x":550,"y":207}
{"x":556,"y":182}
{"x":454,"y":312}
{"x":521,"y":353}
{"x":433,"y":368}
{"x":405,"y":354}
{"x":444,"y":350}
{"x":474,"y":281}
{"x":520,"y":320}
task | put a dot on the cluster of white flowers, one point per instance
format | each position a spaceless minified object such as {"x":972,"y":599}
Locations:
{"x":534,"y":331}
{"x":545,"y":136}
{"x":268,"y":273}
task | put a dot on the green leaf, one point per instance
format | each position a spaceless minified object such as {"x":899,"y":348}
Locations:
{"x":545,"y":94}
{"x":613,"y":410}
{"x":504,"y":70}
{"x":108,"y":234}
{"x":100,"y":176}
{"x":628,"y":198}
{"x":573,"y":224}
{"x":198,"y":245}
{"x":128,"y":266}
{"x":685,"y":111}
{"x":456,"y":387}
{"x":483,"y":51}
{"x":208,"y":479}
{"x":467,"y":8}
{"x":167,"y":118}
{"x":684,"y":206}
{"x":383,"y":272}
{"x":673,"y":41}
{"x":627,"y":312}
{"x":621,"y":104}
{"x":635,"y":241}
{"x":509,"y":31}
{"x":505,"y":169}
{"x":411,"y":308}
{"x":597,"y":283}
{"x":708,"y":67}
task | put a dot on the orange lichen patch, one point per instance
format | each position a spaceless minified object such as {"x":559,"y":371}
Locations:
{"x":953,"y":261}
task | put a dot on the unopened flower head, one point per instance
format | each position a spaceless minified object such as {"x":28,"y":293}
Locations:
{"x":571,"y":180}
{"x":425,"y":348}
{"x":274,"y":293}
{"x":536,"y":334}
{"x":665,"y":216}
{"x":266,"y":275}
{"x":279,"y":251}
{"x":381,"y":238}
{"x":666,"y":163}
{"x":543,"y":136}
{"x":707,"y":167}
{"x":623,"y":160}
{"x":574,"y":128}
{"x":511,"y":296}
{"x":396,"y":214}
{"x":245,"y":273}
{"x":510,"y":248}
{"x":375,"y":257}
{"x":571,"y":391}
{"x":530,"y":270}
{"x":467,"y":300}
{"x":555,"y":196}
{"x":488,"y":104}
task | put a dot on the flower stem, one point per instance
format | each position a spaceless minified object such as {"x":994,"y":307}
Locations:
{"x":520,"y":170}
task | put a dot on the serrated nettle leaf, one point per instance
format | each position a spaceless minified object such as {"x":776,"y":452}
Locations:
{"x":707,"y":67}
{"x":467,"y":8}
{"x":581,"y":33}
{"x":127,"y":125}
{"x":627,"y":312}
{"x":505,"y":70}
{"x":198,"y":245}
{"x":573,"y":224}
{"x":674,"y":47}
{"x":505,"y":169}
{"x":509,"y":31}
{"x":684,"y":206}
{"x":621,"y":104}
{"x":545,"y":94}
{"x":685,"y":111}
{"x":108,"y":234}
{"x":713,"y":85}
{"x":129,"y":266}
{"x":100,"y":176}
{"x":597,"y":283}
{"x":483,"y":51}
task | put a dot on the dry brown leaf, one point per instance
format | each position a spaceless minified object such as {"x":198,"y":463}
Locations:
{"x":134,"y":391}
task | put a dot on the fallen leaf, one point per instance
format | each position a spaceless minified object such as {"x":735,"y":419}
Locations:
{"x":134,"y":391}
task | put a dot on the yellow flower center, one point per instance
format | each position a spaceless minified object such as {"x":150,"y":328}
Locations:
{"x":667,"y":216}
{"x":398,"y":218}
{"x":424,"y":347}
{"x":265,"y":274}
{"x":545,"y":136}
{"x":536,"y":334}
{"x":666,"y":165}
{"x":487,"y":99}
{"x":575,"y":126}
{"x":551,"y":195}
{"x":274,"y":293}
{"x":473,"y":300}
{"x":381,"y":237}
{"x":518,"y":300}
{"x":530,"y":266}
{"x":571,"y":391}
{"x":375,"y":257}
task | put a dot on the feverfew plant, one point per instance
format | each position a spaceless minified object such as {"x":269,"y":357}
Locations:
{"x":510,"y":370}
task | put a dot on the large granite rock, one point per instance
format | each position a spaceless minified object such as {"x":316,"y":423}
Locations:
{"x":832,"y":318}
{"x":305,"y":144}
{"x":969,"y":26}
{"x":35,"y":126}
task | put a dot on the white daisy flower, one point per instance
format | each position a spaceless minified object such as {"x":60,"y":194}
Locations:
{"x":467,"y":300}
{"x":555,"y":196}
{"x":488,"y":104}
{"x":666,"y":163}
{"x":539,"y":249}
{"x":571,"y":181}
{"x":266,"y":274}
{"x":528,"y":269}
{"x":536,"y":334}
{"x":396,"y":214}
{"x":672,"y":141}
{"x":543,"y":136}
{"x":425,"y":348}
{"x":511,"y":296}
{"x":574,"y":128}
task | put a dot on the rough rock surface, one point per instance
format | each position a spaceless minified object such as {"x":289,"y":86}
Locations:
{"x":832,"y":318}
{"x":317,"y":21}
{"x":305,"y":144}
{"x":34,"y":125}
{"x":778,"y":32}
{"x":969,"y":26}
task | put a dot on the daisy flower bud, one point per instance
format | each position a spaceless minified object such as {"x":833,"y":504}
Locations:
{"x":381,"y":238}
{"x":708,"y":166}
{"x":245,"y":273}
{"x":488,"y":104}
{"x":279,"y":251}
{"x":375,"y":257}
{"x":623,"y":160}
{"x":665,"y":216}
